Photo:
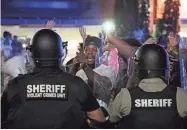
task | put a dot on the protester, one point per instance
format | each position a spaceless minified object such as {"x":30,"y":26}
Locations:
{"x":126,"y":48}
{"x":16,"y":46}
{"x":173,"y":50}
{"x":100,"y":79}
{"x":73,"y":66}
{"x":125,"y":80}
{"x":6,"y":53}
{"x":6,"y":42}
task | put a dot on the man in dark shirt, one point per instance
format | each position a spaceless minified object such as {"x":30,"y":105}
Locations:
{"x":16,"y":46}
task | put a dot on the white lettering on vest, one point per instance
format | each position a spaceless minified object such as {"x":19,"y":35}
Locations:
{"x":62,"y":88}
{"x":153,"y":102}
{"x":156,"y":103}
{"x":137,"y":103}
{"x":29,"y":88}
{"x":42,"y":88}
{"x":143,"y":102}
{"x":35,"y":88}
{"x":47,"y":91}
{"x":48,"y":88}
{"x":161,"y":104}
{"x":150,"y":103}
{"x":169,"y":102}
{"x":164,"y":102}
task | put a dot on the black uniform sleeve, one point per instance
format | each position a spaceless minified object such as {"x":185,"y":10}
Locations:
{"x":4,"y":108}
{"x":86,"y":97}
{"x":10,"y":92}
{"x":5,"y":103}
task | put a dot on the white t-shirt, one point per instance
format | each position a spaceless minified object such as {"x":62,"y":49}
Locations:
{"x":102,"y":70}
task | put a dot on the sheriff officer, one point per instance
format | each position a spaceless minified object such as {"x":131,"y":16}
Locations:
{"x":48,"y":97}
{"x":153,"y":103}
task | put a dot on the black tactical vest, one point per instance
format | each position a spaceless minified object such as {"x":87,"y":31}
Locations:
{"x":153,"y":109}
{"x":43,"y":113}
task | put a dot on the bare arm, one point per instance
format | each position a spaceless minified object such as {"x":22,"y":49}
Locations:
{"x":96,"y":78}
{"x":123,"y":47}
{"x":83,"y":34}
{"x":101,"y":85}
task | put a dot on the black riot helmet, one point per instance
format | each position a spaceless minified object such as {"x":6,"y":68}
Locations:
{"x":47,"y":48}
{"x":152,"y":61}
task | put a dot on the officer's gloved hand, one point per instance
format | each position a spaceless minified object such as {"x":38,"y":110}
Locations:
{"x":102,"y":125}
{"x":105,"y":112}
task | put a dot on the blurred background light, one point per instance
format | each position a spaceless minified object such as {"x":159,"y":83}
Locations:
{"x":40,"y":4}
{"x":24,"y":45}
{"x":108,"y":26}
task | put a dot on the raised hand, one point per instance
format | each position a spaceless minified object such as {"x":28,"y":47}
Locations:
{"x":83,"y":34}
{"x":75,"y":60}
{"x":50,"y":24}
{"x":81,"y":58}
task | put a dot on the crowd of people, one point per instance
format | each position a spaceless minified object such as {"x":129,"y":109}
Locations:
{"x":117,"y":82}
